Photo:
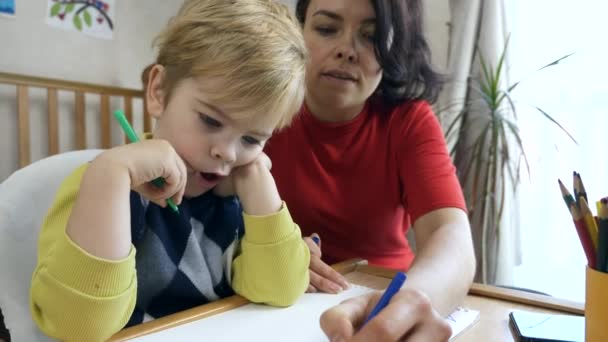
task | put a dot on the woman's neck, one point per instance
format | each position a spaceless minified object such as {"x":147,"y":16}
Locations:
{"x":333,"y":113}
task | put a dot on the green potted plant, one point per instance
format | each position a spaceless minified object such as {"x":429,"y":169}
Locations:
{"x":488,"y":151}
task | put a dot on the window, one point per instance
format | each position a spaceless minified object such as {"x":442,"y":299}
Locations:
{"x":575,"y":93}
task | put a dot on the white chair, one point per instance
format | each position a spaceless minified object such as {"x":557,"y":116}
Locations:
{"x":25,"y":198}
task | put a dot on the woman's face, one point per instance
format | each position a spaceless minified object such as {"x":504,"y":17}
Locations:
{"x":343,"y":71}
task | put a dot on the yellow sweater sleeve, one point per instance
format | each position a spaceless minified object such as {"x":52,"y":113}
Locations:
{"x":273,"y":265}
{"x":75,"y":296}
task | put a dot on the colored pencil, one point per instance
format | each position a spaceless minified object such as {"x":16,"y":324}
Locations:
{"x":568,"y":199}
{"x":579,"y":189}
{"x":602,"y":249}
{"x":589,"y":221}
{"x":583,"y":235}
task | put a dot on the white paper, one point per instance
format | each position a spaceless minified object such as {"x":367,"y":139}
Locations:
{"x":299,"y":322}
{"x":460,"y":319}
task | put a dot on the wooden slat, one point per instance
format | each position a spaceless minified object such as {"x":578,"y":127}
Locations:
{"x":505,"y":294}
{"x":106,"y":128}
{"x":180,"y":318}
{"x":40,"y":82}
{"x":206,"y":310}
{"x":128,"y":113}
{"x":53,"y":117}
{"x":23,"y":108}
{"x":528,"y":298}
{"x":80,"y":122}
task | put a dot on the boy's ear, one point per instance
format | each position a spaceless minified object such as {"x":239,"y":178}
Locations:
{"x":155,"y":94}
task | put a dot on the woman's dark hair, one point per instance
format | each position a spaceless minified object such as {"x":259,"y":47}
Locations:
{"x":406,"y":61}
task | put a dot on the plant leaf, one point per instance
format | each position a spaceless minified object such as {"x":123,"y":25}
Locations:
{"x":87,"y":18}
{"x":484,"y":93}
{"x":77,"y":22}
{"x":501,"y":60}
{"x":515,"y":131}
{"x":510,"y":89}
{"x":55,"y":9}
{"x":455,"y":121}
{"x":557,"y":123}
{"x":475,"y":155}
{"x":69,"y":8}
{"x":484,"y":66}
{"x":506,"y":95}
{"x":507,"y":154}
{"x":555,"y":62}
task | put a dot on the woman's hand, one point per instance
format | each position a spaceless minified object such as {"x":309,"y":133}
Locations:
{"x":409,"y":316}
{"x":322,"y":277}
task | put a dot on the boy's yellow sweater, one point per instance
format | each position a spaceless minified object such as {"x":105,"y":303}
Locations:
{"x":78,"y":297}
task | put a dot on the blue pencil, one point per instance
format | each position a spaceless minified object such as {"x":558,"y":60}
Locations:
{"x":391,"y":290}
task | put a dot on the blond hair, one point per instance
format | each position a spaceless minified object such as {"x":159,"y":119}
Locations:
{"x":255,"y":46}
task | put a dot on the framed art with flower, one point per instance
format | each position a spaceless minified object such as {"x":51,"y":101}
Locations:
{"x":91,"y":17}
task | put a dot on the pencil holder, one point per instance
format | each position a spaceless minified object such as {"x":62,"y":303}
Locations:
{"x":596,"y":306}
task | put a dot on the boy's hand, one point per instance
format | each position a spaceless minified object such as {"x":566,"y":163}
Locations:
{"x":150,"y":159}
{"x":226,"y":187}
{"x":255,"y":187}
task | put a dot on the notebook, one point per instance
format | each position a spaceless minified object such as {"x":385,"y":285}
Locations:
{"x":299,"y":322}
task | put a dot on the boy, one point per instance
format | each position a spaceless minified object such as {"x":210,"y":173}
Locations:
{"x":228,"y":74}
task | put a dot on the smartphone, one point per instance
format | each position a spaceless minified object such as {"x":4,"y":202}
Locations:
{"x":530,"y":326}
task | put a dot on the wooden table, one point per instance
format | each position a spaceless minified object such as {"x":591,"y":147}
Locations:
{"x":494,"y":304}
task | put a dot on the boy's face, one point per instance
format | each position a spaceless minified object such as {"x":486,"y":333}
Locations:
{"x":204,"y":133}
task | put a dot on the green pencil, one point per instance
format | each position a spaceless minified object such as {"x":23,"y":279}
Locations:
{"x":126,"y":127}
{"x":566,"y":195}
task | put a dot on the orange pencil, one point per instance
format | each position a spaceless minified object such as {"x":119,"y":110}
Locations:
{"x":583,"y":235}
{"x":590,"y":222}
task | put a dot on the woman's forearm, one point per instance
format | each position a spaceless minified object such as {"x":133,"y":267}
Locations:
{"x":444,"y":266}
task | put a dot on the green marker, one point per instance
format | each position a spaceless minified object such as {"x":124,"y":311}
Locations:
{"x":126,"y":127}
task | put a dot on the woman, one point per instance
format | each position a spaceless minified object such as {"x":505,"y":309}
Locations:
{"x":366,"y":159}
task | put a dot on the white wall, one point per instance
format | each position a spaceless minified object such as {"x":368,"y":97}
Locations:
{"x":31,"y":47}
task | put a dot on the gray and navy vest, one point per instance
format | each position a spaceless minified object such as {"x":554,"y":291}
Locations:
{"x":183,"y":260}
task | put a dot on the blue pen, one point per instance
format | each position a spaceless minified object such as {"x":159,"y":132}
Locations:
{"x":391,"y":290}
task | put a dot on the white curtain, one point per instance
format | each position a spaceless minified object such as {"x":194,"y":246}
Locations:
{"x":479,"y":27}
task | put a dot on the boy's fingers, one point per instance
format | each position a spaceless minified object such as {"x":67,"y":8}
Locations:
{"x":183,"y":171}
{"x":265,"y":160}
{"x":311,"y":289}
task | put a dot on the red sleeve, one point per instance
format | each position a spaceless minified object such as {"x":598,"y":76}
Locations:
{"x":427,"y":175}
